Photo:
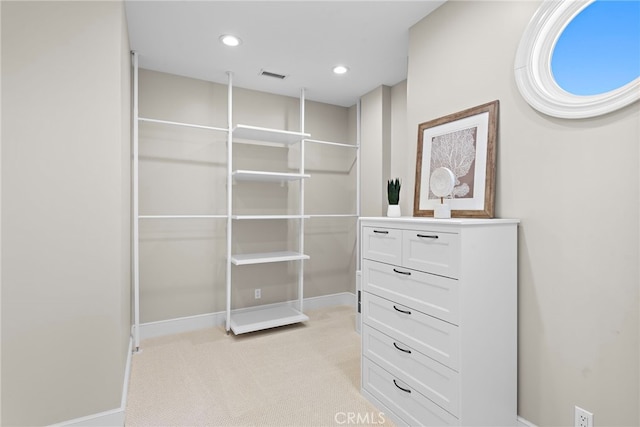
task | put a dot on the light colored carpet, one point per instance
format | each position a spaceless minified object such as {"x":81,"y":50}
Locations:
{"x":300,"y":375}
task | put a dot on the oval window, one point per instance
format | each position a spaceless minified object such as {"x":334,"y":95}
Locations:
{"x":580,"y":59}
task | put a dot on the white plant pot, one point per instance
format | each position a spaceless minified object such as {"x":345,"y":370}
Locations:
{"x":393,"y":211}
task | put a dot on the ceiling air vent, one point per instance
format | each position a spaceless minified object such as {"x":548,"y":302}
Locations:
{"x":271,"y":74}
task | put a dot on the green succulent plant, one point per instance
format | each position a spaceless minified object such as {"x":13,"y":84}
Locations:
{"x":393,"y":191}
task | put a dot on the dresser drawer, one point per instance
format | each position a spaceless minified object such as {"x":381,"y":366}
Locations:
{"x":428,"y":293}
{"x":433,"y":252}
{"x":414,"y":408}
{"x":382,"y":244}
{"x":430,"y":336}
{"x":430,"y":378}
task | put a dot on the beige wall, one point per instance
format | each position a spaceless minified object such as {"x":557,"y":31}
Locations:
{"x":579,"y":237}
{"x":375,"y":150}
{"x":401,"y":147}
{"x":183,"y":171}
{"x":65,"y":204}
{"x":385,"y":149}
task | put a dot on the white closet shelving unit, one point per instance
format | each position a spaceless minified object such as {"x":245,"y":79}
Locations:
{"x":260,"y":317}
{"x":270,"y":316}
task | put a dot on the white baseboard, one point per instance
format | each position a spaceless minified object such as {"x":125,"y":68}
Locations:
{"x":343,"y":298}
{"x":113,"y":417}
{"x":524,"y":423}
{"x":210,"y":320}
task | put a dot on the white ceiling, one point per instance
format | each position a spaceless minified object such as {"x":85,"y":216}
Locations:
{"x":301,"y":39}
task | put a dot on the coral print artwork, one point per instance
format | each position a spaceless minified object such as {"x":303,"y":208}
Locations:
{"x":464,"y":143}
{"x":456,"y":151}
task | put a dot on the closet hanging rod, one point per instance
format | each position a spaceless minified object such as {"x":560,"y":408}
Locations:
{"x":239,"y":217}
{"x":339,"y":144}
{"x":179,"y":216}
{"x":167,"y":122}
{"x":333,"y":216}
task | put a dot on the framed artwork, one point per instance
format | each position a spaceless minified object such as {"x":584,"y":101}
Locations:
{"x":465,"y":143}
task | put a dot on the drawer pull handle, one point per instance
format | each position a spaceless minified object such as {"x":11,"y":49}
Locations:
{"x":401,"y":311}
{"x":427,"y":236}
{"x":403,"y":389}
{"x":380,"y":232}
{"x":406,"y":273}
{"x":401,"y":349}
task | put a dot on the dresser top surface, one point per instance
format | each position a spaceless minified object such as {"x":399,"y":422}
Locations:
{"x":444,"y":222}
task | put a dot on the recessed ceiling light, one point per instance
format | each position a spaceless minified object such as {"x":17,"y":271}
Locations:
{"x":340,"y":69}
{"x":230,"y":40}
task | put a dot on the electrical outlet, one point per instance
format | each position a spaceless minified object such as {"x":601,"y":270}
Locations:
{"x":583,"y":418}
{"x":258,"y":293}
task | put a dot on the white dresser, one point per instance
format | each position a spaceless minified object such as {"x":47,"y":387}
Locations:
{"x":439,"y":320}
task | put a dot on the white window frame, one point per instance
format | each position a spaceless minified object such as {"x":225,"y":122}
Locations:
{"x":533,"y":68}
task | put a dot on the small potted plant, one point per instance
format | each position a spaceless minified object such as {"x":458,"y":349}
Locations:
{"x":393,"y":195}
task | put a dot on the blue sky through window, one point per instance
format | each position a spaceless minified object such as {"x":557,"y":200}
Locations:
{"x":599,"y":50}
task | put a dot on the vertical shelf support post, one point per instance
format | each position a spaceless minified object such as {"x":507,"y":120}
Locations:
{"x":301,"y":209}
{"x":358,"y":130}
{"x":229,"y":193}
{"x":135,"y":212}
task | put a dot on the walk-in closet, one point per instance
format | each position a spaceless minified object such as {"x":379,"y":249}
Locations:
{"x":238,"y":195}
